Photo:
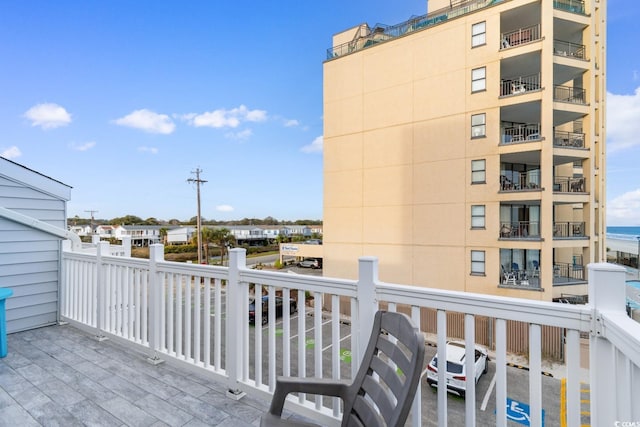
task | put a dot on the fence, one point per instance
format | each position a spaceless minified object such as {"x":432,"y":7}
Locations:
{"x":197,"y":316}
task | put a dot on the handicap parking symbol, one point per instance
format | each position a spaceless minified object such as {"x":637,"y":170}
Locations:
{"x":519,"y":412}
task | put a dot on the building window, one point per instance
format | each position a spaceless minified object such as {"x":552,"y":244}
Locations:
{"x":478,"y":79}
{"x":478,"y":125}
{"x":478,"y":34}
{"x":477,"y":216}
{"x":477,"y":262}
{"x":478,"y":171}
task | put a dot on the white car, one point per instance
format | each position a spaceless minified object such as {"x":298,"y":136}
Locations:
{"x":456,"y":370}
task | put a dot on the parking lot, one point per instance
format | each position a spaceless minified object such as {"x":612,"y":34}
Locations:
{"x":517,"y":379}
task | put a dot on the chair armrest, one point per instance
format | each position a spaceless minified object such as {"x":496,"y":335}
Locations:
{"x":321,"y":386}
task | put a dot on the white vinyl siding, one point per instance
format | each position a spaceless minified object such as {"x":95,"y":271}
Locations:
{"x":30,"y":258}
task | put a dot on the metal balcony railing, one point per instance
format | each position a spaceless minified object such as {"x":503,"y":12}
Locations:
{"x":573,"y":6}
{"x":566,"y":271}
{"x":519,"y":229}
{"x":520,"y":36}
{"x":521,"y":133}
{"x":564,"y":184}
{"x":568,"y":139}
{"x":529,"y":180}
{"x":382,"y":33}
{"x":518,"y":85}
{"x":568,"y":229}
{"x":570,"y":94}
{"x":562,"y":48}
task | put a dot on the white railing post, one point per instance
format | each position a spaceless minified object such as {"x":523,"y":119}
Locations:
{"x":606,"y":295}
{"x":126,"y":246}
{"x":237,"y":323}
{"x":95,"y":239}
{"x":367,"y":304}
{"x":101,"y":249}
{"x":156,"y":254}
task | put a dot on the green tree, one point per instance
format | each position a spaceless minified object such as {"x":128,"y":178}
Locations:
{"x":127,"y":219}
{"x":223,"y":238}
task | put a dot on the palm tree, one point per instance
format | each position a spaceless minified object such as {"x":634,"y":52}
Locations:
{"x":223,"y":238}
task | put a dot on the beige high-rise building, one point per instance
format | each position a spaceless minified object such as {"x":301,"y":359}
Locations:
{"x":466,"y":147}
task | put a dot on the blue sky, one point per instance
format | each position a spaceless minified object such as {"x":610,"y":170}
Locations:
{"x":122,"y":100}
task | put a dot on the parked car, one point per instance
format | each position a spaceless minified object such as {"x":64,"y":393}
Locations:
{"x":456,"y":370}
{"x":293,"y":308}
{"x":309,"y":263}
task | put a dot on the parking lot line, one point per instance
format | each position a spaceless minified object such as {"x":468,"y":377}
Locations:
{"x":341,"y":339}
{"x":487,"y":395}
{"x":310,"y":329}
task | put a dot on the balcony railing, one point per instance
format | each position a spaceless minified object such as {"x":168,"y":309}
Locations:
{"x":568,"y":139}
{"x":525,"y":279}
{"x":382,"y":33}
{"x":197,"y":316}
{"x":568,"y":230}
{"x":521,"y":133}
{"x":519,"y":85}
{"x":520,"y":230}
{"x":524,"y":181}
{"x":570,"y":94}
{"x":562,"y":48}
{"x":565,"y":184}
{"x":567,"y":272}
{"x":520,"y":36}
{"x":573,"y":6}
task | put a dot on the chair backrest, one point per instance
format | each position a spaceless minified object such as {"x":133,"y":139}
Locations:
{"x":515,"y":266}
{"x":395,"y":354}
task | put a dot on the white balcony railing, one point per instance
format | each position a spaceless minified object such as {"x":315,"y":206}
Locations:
{"x":197,"y":316}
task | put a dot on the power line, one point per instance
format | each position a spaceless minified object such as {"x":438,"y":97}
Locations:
{"x":198,"y":181}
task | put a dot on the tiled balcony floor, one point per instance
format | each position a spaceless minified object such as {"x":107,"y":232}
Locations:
{"x":61,"y":376}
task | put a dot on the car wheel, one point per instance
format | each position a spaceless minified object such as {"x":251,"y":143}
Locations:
{"x":486,"y":366}
{"x":462,"y":393}
{"x":293,"y":308}
{"x":265,"y":319}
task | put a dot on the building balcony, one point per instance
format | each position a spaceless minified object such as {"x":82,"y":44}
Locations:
{"x":565,"y":184}
{"x":153,"y":341}
{"x":520,"y":230}
{"x":568,"y":139}
{"x":519,"y":84}
{"x":573,"y":6}
{"x":569,"y":230}
{"x":573,"y":50}
{"x":520,"y":181}
{"x":520,"y":36}
{"x":567,"y":273}
{"x":572,"y":95}
{"x":528,"y":132}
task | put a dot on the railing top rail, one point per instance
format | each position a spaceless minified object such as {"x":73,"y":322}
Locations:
{"x":342,"y":287}
{"x":536,"y":312}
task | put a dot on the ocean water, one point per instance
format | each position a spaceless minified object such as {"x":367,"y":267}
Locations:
{"x":623,"y":233}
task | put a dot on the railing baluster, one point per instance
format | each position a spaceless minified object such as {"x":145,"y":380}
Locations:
{"x":188,"y":317}
{"x":442,"y":368}
{"x":535,"y":374}
{"x":171,"y":279}
{"x":206,"y":319}
{"x":302,"y":333}
{"x":317,"y":341}
{"x":217,"y":325}
{"x":501,"y":373}
{"x":179,"y":319}
{"x":272,"y":337}
{"x":573,"y":380}
{"x":257,"y":364}
{"x":335,"y":348}
{"x":196,"y":319}
{"x":470,"y":365}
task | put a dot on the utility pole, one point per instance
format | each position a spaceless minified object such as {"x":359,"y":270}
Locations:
{"x":92,"y":212}
{"x":198,"y":181}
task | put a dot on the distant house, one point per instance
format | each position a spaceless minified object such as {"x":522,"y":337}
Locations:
{"x":80,"y":230}
{"x":33,"y":216}
{"x":180,"y":235}
{"x":141,"y":235}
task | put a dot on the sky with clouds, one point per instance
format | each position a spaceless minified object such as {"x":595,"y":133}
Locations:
{"x":123,"y":100}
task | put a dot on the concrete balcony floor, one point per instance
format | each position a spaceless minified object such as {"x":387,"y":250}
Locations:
{"x":59,"y":375}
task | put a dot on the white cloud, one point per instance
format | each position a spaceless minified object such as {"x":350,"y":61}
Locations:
{"x":314,"y":147}
{"x":291,"y":123}
{"x":148,"y":121}
{"x":222,"y":118}
{"x":83,"y":147}
{"x":152,"y":150}
{"x":242,"y":135}
{"x":11,"y":153}
{"x":224,"y":208}
{"x":48,"y":116}
{"x":624,"y":209}
{"x":623,"y":125}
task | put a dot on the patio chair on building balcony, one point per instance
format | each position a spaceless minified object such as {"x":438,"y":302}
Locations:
{"x":508,"y":277}
{"x":383,"y":390}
